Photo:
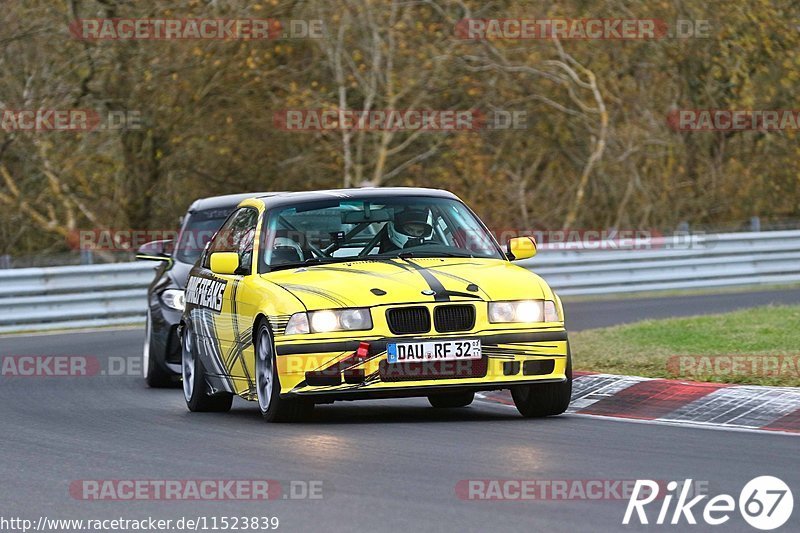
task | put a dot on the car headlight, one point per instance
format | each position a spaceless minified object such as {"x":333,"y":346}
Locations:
{"x":523,"y":311}
{"x":174,"y":299}
{"x":329,"y":320}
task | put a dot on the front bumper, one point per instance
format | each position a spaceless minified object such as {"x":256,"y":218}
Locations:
{"x":337,"y":369}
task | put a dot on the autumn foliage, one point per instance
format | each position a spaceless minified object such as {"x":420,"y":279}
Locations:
{"x":596,"y":148}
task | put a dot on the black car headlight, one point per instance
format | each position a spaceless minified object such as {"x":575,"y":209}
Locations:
{"x":329,"y":320}
{"x":174,"y":299}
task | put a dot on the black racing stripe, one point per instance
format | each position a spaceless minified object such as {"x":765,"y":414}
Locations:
{"x":463,"y":295}
{"x":380,"y":344}
{"x":440,"y":294}
{"x":393,"y":262}
{"x":440,"y":272}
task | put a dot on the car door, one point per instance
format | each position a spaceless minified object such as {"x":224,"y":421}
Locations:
{"x":227,"y":328}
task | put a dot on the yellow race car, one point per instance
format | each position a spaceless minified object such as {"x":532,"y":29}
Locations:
{"x":312,"y":297}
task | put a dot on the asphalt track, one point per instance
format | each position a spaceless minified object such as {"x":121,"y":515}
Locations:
{"x":384,"y":465}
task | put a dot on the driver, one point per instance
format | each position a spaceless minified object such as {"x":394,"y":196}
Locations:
{"x":408,"y":229}
{"x":285,"y":249}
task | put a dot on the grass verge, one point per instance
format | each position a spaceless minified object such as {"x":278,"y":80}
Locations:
{"x":759,"y":346}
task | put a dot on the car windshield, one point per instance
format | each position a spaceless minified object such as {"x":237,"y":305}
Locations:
{"x":341,"y":230}
{"x":198,"y":229}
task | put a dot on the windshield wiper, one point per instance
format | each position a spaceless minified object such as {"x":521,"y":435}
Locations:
{"x":411,"y":255}
{"x":309,"y":262}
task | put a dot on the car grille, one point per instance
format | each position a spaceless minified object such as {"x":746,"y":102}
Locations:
{"x":449,"y":318}
{"x":420,"y":371}
{"x":408,"y":320}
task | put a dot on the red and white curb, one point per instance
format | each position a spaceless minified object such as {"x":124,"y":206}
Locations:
{"x":717,"y":405}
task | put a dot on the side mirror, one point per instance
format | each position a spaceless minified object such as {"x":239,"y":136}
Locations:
{"x":155,"y":251}
{"x":226,"y":263}
{"x":521,"y":248}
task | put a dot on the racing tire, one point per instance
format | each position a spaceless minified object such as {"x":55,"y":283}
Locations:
{"x":544,"y":399}
{"x":195,"y":388}
{"x":155,"y":376}
{"x":268,"y":386}
{"x":451,"y":400}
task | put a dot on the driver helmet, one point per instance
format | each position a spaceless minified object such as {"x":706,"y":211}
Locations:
{"x":411,"y":223}
{"x":285,"y":247}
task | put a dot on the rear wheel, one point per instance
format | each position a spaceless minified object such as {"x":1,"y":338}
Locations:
{"x":450,"y":400}
{"x":195,"y":388}
{"x":544,"y":399}
{"x":154,"y":375}
{"x":268,"y":387}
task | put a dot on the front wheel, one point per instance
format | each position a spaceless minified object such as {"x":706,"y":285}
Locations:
{"x":195,"y":388}
{"x":154,"y":375}
{"x":451,"y":400}
{"x":544,"y":399}
{"x":268,"y":387}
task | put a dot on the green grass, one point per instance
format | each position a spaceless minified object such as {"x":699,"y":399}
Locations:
{"x":651,"y":348}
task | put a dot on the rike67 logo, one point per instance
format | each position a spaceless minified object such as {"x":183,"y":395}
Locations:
{"x":765,"y":503}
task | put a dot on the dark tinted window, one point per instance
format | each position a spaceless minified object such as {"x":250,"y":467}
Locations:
{"x":236,"y":235}
{"x":198,"y":229}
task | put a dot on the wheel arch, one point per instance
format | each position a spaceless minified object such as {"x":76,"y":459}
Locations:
{"x":257,"y":320}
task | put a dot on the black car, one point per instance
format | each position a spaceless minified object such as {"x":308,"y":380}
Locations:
{"x":165,"y":296}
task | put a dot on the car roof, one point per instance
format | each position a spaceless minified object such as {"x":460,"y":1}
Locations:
{"x":226,"y":201}
{"x":284,"y":198}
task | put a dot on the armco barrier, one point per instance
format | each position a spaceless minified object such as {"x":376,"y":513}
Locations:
{"x":103,"y":295}
{"x":74,"y":296}
{"x":673,"y":263}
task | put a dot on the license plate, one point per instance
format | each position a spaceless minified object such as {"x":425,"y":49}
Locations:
{"x":455,"y":350}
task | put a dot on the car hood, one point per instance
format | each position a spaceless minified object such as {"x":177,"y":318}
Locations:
{"x":393,"y":281}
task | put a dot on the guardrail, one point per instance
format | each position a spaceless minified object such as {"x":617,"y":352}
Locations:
{"x":672,"y":263}
{"x":74,"y":296}
{"x":103,"y":295}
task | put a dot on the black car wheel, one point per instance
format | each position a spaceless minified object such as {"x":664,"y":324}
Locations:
{"x":268,"y":387}
{"x":195,"y":388}
{"x":155,"y":376}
